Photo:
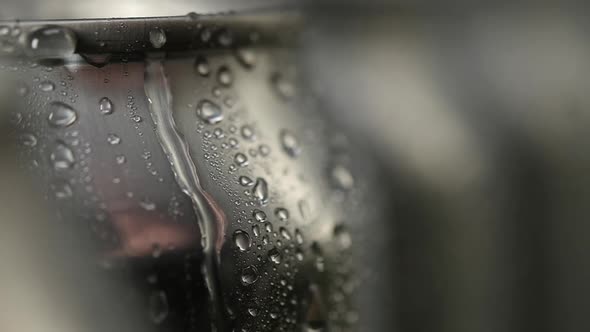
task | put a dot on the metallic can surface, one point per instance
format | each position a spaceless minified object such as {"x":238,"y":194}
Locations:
{"x":207,"y":186}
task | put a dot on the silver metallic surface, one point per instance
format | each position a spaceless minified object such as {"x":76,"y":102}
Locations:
{"x":116,"y":191}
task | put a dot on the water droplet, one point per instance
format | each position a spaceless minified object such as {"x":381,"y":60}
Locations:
{"x":147,"y":204}
{"x":284,"y":88}
{"x":46,"y":86}
{"x":218,"y":132}
{"x":241,"y":159}
{"x":61,"y":115}
{"x":247,"y":57}
{"x":157,"y":37}
{"x":225,"y":38}
{"x":225,"y":76}
{"x":105,"y":105}
{"x":342,"y":236}
{"x":318,"y":252}
{"x":274,"y":255}
{"x":256,"y":230}
{"x":247,"y":132}
{"x":341,"y":178}
{"x":282,"y":214}
{"x":205,"y":35}
{"x":51,"y":42}
{"x":264,"y":150}
{"x":28,"y":140}
{"x":202,"y":66}
{"x":242,"y":240}
{"x":253,"y":312}
{"x":113,"y":139}
{"x":285,"y":233}
{"x":62,"y":157}
{"x":4,"y":30}
{"x":121,"y":159}
{"x":259,"y":215}
{"x":61,"y":189}
{"x":136,"y":119}
{"x":260,"y":190}
{"x":290,"y":143}
{"x":245,"y":181}
{"x":158,"y":304}
{"x":299,"y":255}
{"x":298,"y":237}
{"x":209,"y":112}
{"x":249,"y":275}
{"x":97,"y":60}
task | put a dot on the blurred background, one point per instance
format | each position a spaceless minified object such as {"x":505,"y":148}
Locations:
{"x":473,"y":122}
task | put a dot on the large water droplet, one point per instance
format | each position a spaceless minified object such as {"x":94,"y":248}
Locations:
{"x":202,"y":66}
{"x":341,"y":178}
{"x":290,"y":143}
{"x":61,"y":115}
{"x":158,"y":304}
{"x":249,"y":275}
{"x":157,"y":37}
{"x":260,"y":190}
{"x":242,"y":240}
{"x":51,"y":42}
{"x":209,"y":112}
{"x":62,"y":157}
{"x":105,"y":105}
